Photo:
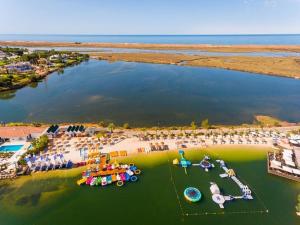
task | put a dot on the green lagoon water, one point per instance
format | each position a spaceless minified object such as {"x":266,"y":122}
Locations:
{"x":43,"y":199}
{"x":150,"y":95}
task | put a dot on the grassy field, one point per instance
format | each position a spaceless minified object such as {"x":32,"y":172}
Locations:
{"x":157,"y":198}
{"x":277,"y":66}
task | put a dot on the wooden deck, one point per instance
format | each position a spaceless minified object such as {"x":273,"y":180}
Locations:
{"x":281,"y":173}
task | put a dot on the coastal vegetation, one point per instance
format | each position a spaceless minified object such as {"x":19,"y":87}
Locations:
{"x":20,"y":67}
{"x":201,"y":47}
{"x":205,"y":124}
{"x":37,"y":145}
{"x":277,"y":66}
{"x":126,"y":126}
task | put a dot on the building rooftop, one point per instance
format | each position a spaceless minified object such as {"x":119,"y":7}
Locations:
{"x":19,"y":131}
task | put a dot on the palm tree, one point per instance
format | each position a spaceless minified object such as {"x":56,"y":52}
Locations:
{"x":111,"y":126}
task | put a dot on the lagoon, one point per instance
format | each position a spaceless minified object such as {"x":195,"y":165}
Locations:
{"x":151,"y":94}
{"x":54,"y":198}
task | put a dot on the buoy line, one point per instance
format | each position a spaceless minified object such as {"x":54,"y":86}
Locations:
{"x":174,"y":186}
{"x":223,"y":213}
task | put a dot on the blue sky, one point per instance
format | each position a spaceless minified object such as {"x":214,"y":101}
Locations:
{"x":149,"y":16}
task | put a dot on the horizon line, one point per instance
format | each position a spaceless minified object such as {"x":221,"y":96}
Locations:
{"x":70,"y":34}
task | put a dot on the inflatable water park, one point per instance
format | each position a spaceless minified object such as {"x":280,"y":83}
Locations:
{"x":204,"y":164}
{"x":218,"y":197}
{"x":105,"y":173}
{"x":184,"y":163}
{"x":192,"y":194}
{"x":246,"y":192}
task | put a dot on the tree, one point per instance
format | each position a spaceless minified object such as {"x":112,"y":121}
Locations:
{"x":100,"y":135}
{"x":126,"y":126}
{"x":193,"y":125}
{"x":205,"y":124}
{"x":39,"y":144}
{"x":111,"y":127}
{"x":102,"y":124}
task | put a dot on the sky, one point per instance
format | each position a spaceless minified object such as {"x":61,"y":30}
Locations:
{"x":150,"y":17}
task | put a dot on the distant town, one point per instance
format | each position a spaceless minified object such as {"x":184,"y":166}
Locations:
{"x":20,"y":66}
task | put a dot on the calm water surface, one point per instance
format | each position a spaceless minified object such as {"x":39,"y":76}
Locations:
{"x":152,"y":94}
{"x":152,"y":200}
{"x":186,"y":52}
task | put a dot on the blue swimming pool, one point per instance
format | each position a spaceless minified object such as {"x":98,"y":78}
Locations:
{"x":10,"y":148}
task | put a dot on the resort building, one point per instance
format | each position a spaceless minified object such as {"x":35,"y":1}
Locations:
{"x":2,"y":55}
{"x":19,"y":133}
{"x":52,"y":131}
{"x":62,"y":57}
{"x":285,"y":163}
{"x":21,"y":67}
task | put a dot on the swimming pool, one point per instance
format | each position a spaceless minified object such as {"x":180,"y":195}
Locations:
{"x":10,"y":148}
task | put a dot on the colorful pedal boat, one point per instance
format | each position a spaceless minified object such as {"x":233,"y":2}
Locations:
{"x":118,"y":177}
{"x":133,"y":168}
{"x":98,"y":181}
{"x":81,"y":181}
{"x":93,"y":182}
{"x":89,"y":180}
{"x":127,"y":176}
{"x":108,"y":179}
{"x":114,"y":177}
{"x":103,"y":181}
{"x":129,"y":172}
{"x":123,"y":177}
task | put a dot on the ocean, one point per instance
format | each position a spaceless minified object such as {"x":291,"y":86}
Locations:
{"x":267,"y":39}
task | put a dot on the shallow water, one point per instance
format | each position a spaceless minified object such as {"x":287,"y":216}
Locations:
{"x":152,"y":94}
{"x":153,"y":200}
{"x":185,"y":52}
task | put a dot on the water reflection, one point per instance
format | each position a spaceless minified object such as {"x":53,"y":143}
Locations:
{"x":148,"y":94}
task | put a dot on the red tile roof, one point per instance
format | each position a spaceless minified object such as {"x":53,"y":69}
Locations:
{"x":19,"y":131}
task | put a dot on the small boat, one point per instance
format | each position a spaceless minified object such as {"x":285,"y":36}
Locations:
{"x":89,"y":180}
{"x":123,"y":177}
{"x":118,"y":177}
{"x":98,"y":181}
{"x":93,"y":182}
{"x":81,"y":181}
{"x":127,"y":176}
{"x":103,"y":181}
{"x":109,"y":179}
{"x":129,"y":172}
{"x":114,"y":177}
